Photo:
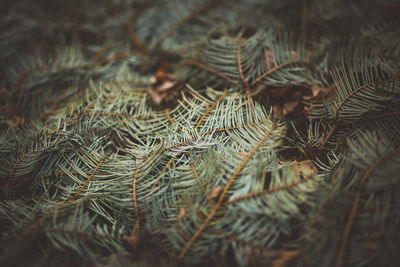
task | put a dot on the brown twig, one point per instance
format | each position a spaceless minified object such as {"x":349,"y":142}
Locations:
{"x":216,"y":207}
{"x":132,"y":34}
{"x":239,"y":63}
{"x":354,"y":208}
{"x":210,"y":109}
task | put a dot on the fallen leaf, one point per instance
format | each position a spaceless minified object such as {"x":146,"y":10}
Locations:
{"x":305,"y":167}
{"x":286,"y":256}
{"x":161,"y":72}
{"x":165,"y":86}
{"x":181,"y":213}
{"x":286,"y":99}
{"x":155,"y":96}
{"x":289,"y":106}
{"x":319,"y":92}
{"x":277,"y":109}
{"x":281,"y":110}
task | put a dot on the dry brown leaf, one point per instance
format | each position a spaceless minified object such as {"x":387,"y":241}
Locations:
{"x":286,"y":256}
{"x":289,"y":106}
{"x":280,"y":92}
{"x":161,"y":73}
{"x":281,"y":110}
{"x":216,"y":192}
{"x":164,"y":88}
{"x":156,"y":96}
{"x":277,"y":109}
{"x":305,"y":167}
{"x":319,"y":92}
{"x":181,"y":213}
{"x":166,"y":85}
{"x":287,"y":100}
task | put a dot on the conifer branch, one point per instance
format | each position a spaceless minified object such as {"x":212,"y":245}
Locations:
{"x":218,"y":204}
{"x":350,"y":221}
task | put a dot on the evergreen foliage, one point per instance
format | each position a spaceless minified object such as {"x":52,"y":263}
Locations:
{"x":230,"y":133}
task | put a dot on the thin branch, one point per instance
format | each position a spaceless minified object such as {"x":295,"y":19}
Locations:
{"x":132,"y":34}
{"x":117,"y":115}
{"x":267,"y":251}
{"x":89,"y":179}
{"x":239,"y":63}
{"x":328,"y":136}
{"x":171,"y":120}
{"x":45,"y":216}
{"x":335,"y":116}
{"x":214,"y":71}
{"x":134,"y":200}
{"x":268,"y":191}
{"x":192,"y":207}
{"x":235,"y":127}
{"x":244,"y":162}
{"x":196,"y":176}
{"x":354,"y":208}
{"x":161,"y":174}
{"x":100,"y":53}
{"x":269,"y":72}
{"x":210,"y":109}
{"x":218,"y":130}
{"x":226,"y":188}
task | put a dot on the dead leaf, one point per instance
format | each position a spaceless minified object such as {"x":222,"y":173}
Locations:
{"x":161,"y":72}
{"x":286,"y":256}
{"x":289,"y":106}
{"x":286,"y":99}
{"x":277,"y":109}
{"x":215,"y":193}
{"x":305,"y":167}
{"x":281,"y":110}
{"x":166,"y":85}
{"x":181,"y":213}
{"x":163,"y":88}
{"x":318,"y":92}
{"x":155,"y":96}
